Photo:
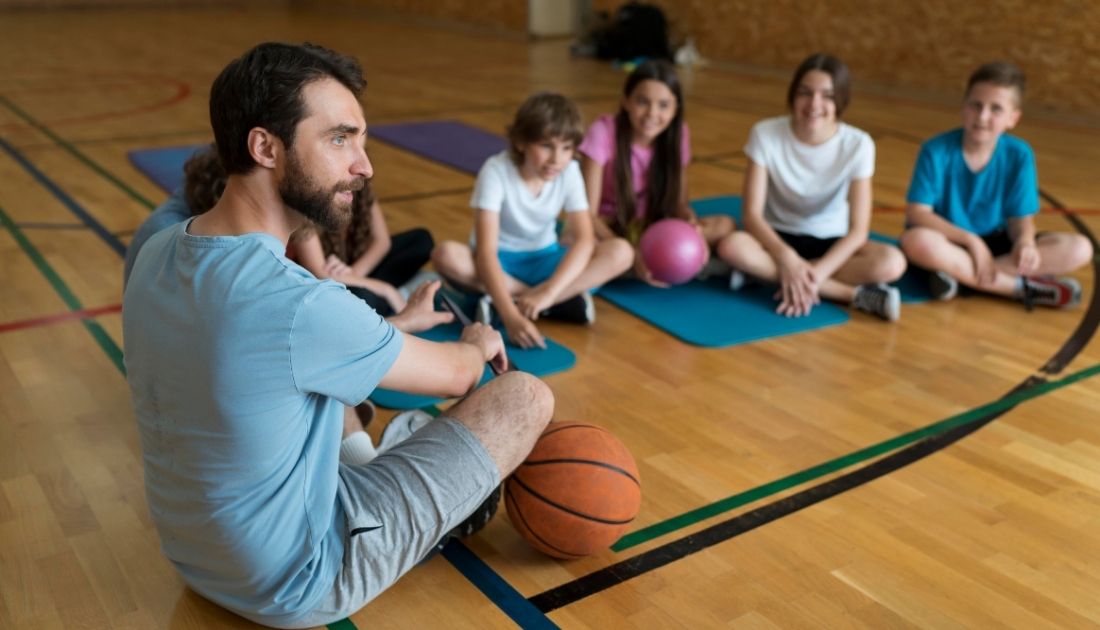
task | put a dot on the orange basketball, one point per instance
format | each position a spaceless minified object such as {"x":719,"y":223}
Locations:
{"x":576,"y":493}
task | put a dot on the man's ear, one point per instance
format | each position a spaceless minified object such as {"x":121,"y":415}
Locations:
{"x":264,"y":147}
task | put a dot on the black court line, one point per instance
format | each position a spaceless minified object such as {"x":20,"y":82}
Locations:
{"x":645,"y":562}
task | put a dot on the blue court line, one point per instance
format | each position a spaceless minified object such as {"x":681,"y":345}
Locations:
{"x":496,"y":588}
{"x":87,"y":219}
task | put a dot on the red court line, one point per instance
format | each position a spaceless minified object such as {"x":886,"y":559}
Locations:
{"x":86,"y":313}
{"x":182,"y":91}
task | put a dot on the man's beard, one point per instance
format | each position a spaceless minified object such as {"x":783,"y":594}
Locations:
{"x":301,"y":193}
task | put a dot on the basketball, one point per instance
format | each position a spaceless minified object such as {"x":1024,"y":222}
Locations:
{"x":576,"y":493}
{"x":673,"y":250}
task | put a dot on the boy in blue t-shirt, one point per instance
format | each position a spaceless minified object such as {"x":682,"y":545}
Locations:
{"x":972,"y":200}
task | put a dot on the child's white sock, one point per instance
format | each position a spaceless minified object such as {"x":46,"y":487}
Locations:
{"x":1018,"y":292}
{"x":357,"y":449}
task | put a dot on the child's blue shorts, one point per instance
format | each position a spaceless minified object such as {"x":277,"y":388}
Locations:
{"x":534,"y":267}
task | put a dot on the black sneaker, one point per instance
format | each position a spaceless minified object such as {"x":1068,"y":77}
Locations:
{"x":1047,"y":291}
{"x":878,"y":299}
{"x":941,"y":286}
{"x":473,"y":524}
{"x":578,"y":309}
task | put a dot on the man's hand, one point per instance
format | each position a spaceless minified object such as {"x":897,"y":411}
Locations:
{"x":488,"y":340}
{"x":419,"y":313}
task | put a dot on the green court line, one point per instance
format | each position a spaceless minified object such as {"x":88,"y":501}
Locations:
{"x":724,"y":505}
{"x":64,"y":144}
{"x":343,"y":624}
{"x":114,"y":353}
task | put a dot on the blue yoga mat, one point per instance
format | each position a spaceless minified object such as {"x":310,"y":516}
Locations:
{"x":555,"y":358}
{"x":706,"y":313}
{"x":913,"y":284}
{"x":446,"y":141}
{"x":164,"y":165}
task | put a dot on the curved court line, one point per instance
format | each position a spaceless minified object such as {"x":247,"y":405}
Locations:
{"x":670,"y":552}
{"x":149,"y":205}
{"x":183,"y":90}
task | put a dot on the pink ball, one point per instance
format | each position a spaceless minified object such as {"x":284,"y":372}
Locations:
{"x":673,"y":250}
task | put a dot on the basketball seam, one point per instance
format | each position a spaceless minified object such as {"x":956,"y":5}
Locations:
{"x":571,"y":426}
{"x":568,"y":510}
{"x":531,"y":530}
{"x":611,"y":467}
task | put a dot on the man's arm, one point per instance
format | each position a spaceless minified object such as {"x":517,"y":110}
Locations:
{"x":445,"y":369}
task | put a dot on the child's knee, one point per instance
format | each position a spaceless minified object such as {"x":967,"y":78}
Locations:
{"x":620,"y":253}
{"x":1081,"y":251}
{"x":893,"y":264}
{"x":443,"y":256}
{"x":918,"y":243}
{"x":733,"y":247}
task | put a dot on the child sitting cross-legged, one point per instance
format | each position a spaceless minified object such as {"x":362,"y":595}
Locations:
{"x":514,"y":254}
{"x":972,"y":201}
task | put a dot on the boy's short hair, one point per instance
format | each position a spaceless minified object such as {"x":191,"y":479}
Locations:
{"x":263,"y":88}
{"x":543,"y":116}
{"x":830,"y":65}
{"x":204,"y":180}
{"x":1002,"y":74}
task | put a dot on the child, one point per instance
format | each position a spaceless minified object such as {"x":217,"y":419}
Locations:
{"x":635,"y":163}
{"x":807,"y":203}
{"x":364,"y":256}
{"x":971,"y":202}
{"x":204,"y":181}
{"x":514,"y":254}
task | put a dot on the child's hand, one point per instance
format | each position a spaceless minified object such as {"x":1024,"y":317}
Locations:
{"x":523,"y":332}
{"x":535,"y":301}
{"x":335,"y":267}
{"x":797,"y":286}
{"x":643,"y":274}
{"x":1026,"y":256}
{"x":984,"y":270}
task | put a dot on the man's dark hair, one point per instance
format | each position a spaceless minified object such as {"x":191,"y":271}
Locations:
{"x":263,"y":88}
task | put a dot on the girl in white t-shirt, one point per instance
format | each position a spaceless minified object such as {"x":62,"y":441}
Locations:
{"x":514,"y":255}
{"x":807,"y":204}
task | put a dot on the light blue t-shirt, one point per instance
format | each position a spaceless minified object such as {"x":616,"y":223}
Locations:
{"x":172,"y":211}
{"x":1007,"y":187}
{"x":239,"y":363}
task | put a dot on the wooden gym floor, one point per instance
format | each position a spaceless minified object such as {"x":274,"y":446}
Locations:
{"x":820,"y":505}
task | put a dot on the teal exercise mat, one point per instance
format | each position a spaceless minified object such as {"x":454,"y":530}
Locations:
{"x":706,"y":313}
{"x":555,"y":358}
{"x":164,"y":165}
{"x":913,"y":284}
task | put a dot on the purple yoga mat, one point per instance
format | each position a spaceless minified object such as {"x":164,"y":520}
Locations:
{"x":446,"y":141}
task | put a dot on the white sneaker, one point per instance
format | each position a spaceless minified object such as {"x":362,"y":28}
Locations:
{"x":878,"y":299}
{"x":402,"y":426}
{"x":484,"y":312}
{"x":737,"y":280}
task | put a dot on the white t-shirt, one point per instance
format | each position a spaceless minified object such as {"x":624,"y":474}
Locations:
{"x":808,"y":184}
{"x":527,"y":222}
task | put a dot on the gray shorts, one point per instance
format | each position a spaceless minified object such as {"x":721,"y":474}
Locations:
{"x":400,"y":505}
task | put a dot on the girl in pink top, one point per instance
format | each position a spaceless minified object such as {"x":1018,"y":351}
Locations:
{"x":629,"y":195}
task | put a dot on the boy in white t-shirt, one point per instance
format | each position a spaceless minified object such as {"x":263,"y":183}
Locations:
{"x":807,"y":204}
{"x":514,"y":254}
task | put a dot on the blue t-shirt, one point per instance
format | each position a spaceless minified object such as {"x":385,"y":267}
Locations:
{"x":239,"y":363}
{"x":981,"y":202}
{"x":172,"y":211}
